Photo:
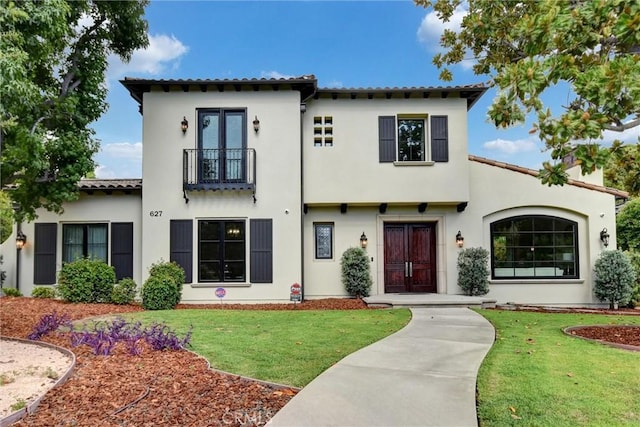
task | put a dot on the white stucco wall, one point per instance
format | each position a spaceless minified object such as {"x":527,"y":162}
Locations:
{"x":96,"y":208}
{"x":354,"y":158}
{"x":277,"y":147}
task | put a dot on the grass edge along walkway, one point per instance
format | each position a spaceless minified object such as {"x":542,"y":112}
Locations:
{"x":535,"y":375}
{"x":287,"y":347}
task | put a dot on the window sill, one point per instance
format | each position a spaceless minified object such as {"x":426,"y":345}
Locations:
{"x":220,"y":285}
{"x":536,"y":281}
{"x":413,"y":163}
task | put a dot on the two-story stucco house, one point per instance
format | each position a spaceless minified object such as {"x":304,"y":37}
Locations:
{"x":256,"y":184}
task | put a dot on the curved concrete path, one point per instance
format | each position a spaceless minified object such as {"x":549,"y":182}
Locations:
{"x":423,"y":375}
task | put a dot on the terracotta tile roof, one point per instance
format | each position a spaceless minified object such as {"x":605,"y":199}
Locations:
{"x":110,"y":184}
{"x":613,"y":191}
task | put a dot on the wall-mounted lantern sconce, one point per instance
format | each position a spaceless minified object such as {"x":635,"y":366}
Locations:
{"x":364,"y":241}
{"x":604,"y":237}
{"x":256,"y":124}
{"x":184,"y":125}
{"x":459,"y":239}
{"x":21,"y":239}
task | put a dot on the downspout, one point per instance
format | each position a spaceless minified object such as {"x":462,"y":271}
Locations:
{"x":303,"y":109}
{"x":18,"y":251}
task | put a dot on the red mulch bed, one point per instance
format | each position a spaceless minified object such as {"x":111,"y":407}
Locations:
{"x":173,"y":388}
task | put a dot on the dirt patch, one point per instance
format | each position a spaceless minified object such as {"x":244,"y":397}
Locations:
{"x":627,"y":337}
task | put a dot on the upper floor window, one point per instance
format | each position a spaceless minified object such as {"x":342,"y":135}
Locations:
{"x":221,"y":143}
{"x":534,"y":247}
{"x":413,"y":138}
{"x":84,"y":241}
{"x":411,"y":145}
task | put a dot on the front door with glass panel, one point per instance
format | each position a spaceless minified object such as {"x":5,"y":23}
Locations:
{"x":221,"y":145}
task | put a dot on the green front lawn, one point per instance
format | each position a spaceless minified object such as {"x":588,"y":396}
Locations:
{"x":287,"y":347}
{"x":536,"y":376}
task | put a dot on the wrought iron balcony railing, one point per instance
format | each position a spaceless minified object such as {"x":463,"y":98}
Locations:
{"x":219,"y":169}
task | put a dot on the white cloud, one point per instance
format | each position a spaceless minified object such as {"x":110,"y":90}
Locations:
{"x":506,"y":146}
{"x":431,"y":28}
{"x":275,"y":75}
{"x":629,"y":136}
{"x":335,"y":84}
{"x":164,"y":52}
{"x":119,"y":160}
{"x":122,"y":150}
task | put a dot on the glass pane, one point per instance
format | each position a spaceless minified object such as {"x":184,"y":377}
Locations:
{"x":523,"y":254}
{"x":234,"y":231}
{"x":323,"y":241}
{"x":565,"y":239}
{"x":410,"y":139}
{"x":234,"y":271}
{"x":233,"y":251}
{"x":522,"y":240}
{"x":209,"y":251}
{"x":499,"y":248}
{"x":543,"y":239}
{"x":543,"y":224}
{"x":97,"y":241}
{"x":72,"y":242}
{"x":233,"y":127}
{"x":564,"y":225}
{"x":209,"y":230}
{"x":522,"y":224}
{"x":210,"y":271}
{"x":210,"y":124}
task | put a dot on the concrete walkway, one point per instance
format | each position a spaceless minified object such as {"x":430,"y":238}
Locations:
{"x":423,"y":375}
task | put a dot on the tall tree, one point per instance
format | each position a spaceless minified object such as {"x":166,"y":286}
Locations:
{"x":528,"y":46}
{"x":53,"y":59}
{"x":622,"y":169}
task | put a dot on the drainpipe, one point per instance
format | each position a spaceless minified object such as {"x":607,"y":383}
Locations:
{"x":18,"y":250}
{"x":303,"y":109}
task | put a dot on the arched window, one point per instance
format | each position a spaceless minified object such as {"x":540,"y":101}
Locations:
{"x":534,"y":247}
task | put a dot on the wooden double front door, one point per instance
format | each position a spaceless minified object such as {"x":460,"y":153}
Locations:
{"x":409,"y":257}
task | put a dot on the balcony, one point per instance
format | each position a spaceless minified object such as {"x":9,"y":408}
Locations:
{"x":219,"y":169}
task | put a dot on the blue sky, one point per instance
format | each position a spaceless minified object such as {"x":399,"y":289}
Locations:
{"x":344,"y":43}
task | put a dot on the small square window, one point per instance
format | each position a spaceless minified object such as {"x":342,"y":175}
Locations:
{"x":323,"y":131}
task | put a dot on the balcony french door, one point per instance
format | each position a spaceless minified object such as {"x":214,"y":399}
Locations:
{"x":222,"y":141}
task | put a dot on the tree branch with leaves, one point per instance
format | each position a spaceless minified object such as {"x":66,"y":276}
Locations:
{"x":53,"y":60}
{"x":527,"y":47}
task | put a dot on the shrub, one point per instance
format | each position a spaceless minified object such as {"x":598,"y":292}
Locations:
{"x":473,"y":271}
{"x":634,"y":257}
{"x":86,"y":280}
{"x":614,"y":278}
{"x":11,"y":292}
{"x":172,"y":270}
{"x":159,"y":293}
{"x":628,"y":226}
{"x":124,"y":292}
{"x":43,"y":292}
{"x":356,"y":275}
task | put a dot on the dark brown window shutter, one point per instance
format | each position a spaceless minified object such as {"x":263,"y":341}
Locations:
{"x":387,"y":138}
{"x":44,"y":253}
{"x":181,"y":246}
{"x":122,"y":249}
{"x":440,"y":138}
{"x":261,"y":248}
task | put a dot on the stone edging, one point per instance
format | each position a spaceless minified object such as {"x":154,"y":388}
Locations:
{"x":33,"y":406}
{"x":568,"y":330}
